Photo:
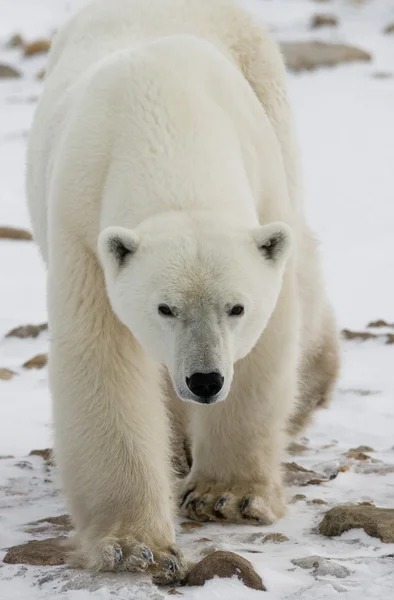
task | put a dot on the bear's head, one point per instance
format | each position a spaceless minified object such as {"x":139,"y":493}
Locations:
{"x":196,"y":294}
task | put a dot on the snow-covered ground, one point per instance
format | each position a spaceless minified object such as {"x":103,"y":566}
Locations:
{"x":345,"y":119}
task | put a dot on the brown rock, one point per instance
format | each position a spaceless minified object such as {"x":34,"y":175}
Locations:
{"x":46,"y":454}
{"x":8,"y":72}
{"x":224,"y":564}
{"x":6,"y":374}
{"x":15,"y":41}
{"x":298,"y":498}
{"x":380,"y":322}
{"x":204,"y":540}
{"x":357,"y":335}
{"x":355,"y":455}
{"x":317,"y":501}
{"x":47,"y":552}
{"x":37,"y":47}
{"x":377,"y":522}
{"x":14,"y":233}
{"x":307,"y":56}
{"x":297,"y":448}
{"x":275,"y":538}
{"x":323,"y":21}
{"x":37,"y":362}
{"x":190,"y":525}
{"x":27,"y":331}
{"x":389,"y":28}
{"x":174,"y":592}
{"x":296,"y":475}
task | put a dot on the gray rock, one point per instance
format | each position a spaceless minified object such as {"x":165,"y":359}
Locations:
{"x":322,"y":566}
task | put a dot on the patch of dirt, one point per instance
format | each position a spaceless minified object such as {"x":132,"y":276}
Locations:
{"x":46,"y":454}
{"x":36,"y":47}
{"x":37,"y":362}
{"x":14,"y":233}
{"x":190,"y":525}
{"x":60,"y":525}
{"x":310,"y":55}
{"x":47,"y":552}
{"x":324,"y":21}
{"x":6,"y":374}
{"x":224,"y":564}
{"x":377,"y":522}
{"x":27,"y":331}
{"x":8,"y":72}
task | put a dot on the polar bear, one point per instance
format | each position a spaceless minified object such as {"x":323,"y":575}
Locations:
{"x":164,"y":192}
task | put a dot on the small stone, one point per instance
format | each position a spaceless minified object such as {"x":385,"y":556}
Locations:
{"x":297,"y":498}
{"x":362,"y":449}
{"x":377,"y":522}
{"x":14,"y":233}
{"x":224,"y":564}
{"x":310,"y":55}
{"x":37,"y":362}
{"x":204,"y":540}
{"x":6,"y":374}
{"x":322,"y":566}
{"x":47,"y":552}
{"x":389,"y":28}
{"x":15,"y":41}
{"x":297,"y":448}
{"x":174,"y":592}
{"x":323,"y":21}
{"x":41,"y":74}
{"x":357,"y":335}
{"x":296,"y":475}
{"x":380,"y":322}
{"x":190,"y":525}
{"x":275,"y":538}
{"x":317,"y":501}
{"x":37,"y":47}
{"x":46,"y":454}
{"x":357,"y":455}
{"x":27,"y":331}
{"x":8,"y":72}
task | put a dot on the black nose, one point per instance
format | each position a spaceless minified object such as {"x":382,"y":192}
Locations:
{"x":205,"y":385}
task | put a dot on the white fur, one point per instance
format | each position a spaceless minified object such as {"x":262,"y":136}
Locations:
{"x":161,"y":154}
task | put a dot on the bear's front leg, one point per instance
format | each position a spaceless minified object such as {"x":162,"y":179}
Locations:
{"x":111,"y":437}
{"x":237,"y":444}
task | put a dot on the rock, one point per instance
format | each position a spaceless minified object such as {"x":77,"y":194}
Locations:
{"x":224,"y":564}
{"x":323,"y":21}
{"x":27,"y":331}
{"x":190,"y":525}
{"x":37,"y":362}
{"x":356,"y":455}
{"x":297,"y":448}
{"x":37,"y":47}
{"x":322,"y":566}
{"x":174,"y":592}
{"x":41,"y":74}
{"x":275,"y":538}
{"x":389,"y":28}
{"x":362,"y":449}
{"x":8,"y":72}
{"x":297,"y":498}
{"x":14,"y":233}
{"x":15,"y":41}
{"x":357,"y":335}
{"x":54,"y":525}
{"x":317,"y":501}
{"x":380,"y":322}
{"x":306,"y":56}
{"x":47,"y":552}
{"x":296,"y":475}
{"x":377,"y":522}
{"x":46,"y":454}
{"x":204,"y":540}
{"x":6,"y":374}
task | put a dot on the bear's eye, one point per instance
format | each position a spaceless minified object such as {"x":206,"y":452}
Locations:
{"x":236,"y":311}
{"x":165,"y":310}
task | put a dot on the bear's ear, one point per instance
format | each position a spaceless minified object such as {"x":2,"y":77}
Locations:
{"x":274,"y":241}
{"x":115,"y":246}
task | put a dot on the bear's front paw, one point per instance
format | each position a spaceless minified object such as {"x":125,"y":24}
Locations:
{"x":247,"y":503}
{"x":128,"y":554}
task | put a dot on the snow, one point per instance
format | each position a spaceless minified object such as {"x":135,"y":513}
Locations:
{"x":345,"y":121}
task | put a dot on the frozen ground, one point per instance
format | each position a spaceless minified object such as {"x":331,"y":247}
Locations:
{"x":346,"y":122}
